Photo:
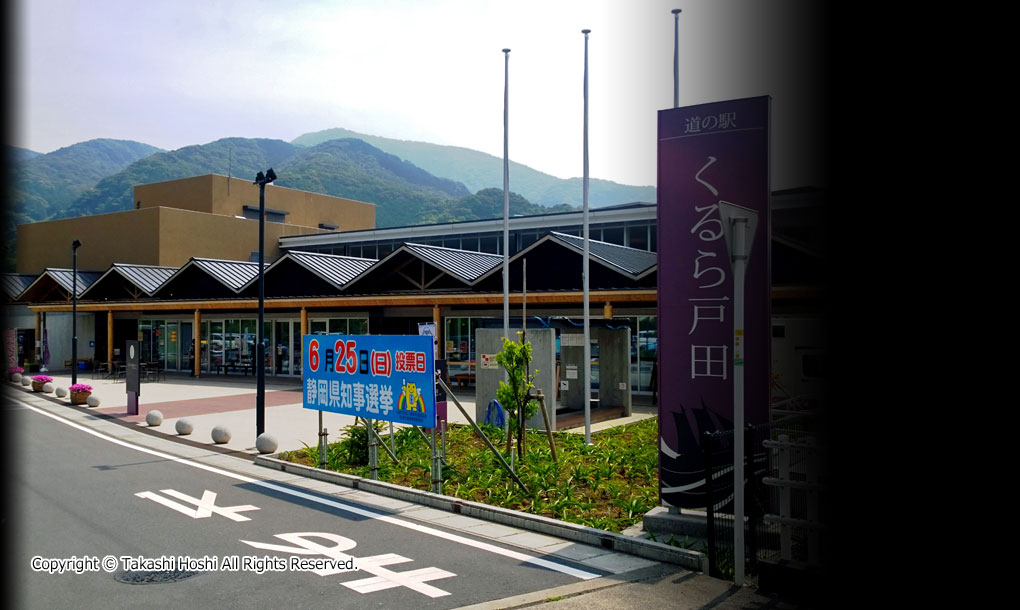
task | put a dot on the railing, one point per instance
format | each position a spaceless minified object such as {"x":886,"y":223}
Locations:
{"x":784,"y":490}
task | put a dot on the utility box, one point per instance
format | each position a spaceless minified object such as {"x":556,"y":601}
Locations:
{"x":488,"y":372}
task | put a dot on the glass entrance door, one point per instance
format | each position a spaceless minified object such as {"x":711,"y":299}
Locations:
{"x":173,"y":340}
{"x":187,"y":348}
{"x":281,"y":348}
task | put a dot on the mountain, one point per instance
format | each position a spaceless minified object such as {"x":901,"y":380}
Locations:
{"x":17,"y":154}
{"x":42,"y":186}
{"x":478,"y":170}
{"x":402,"y":193}
{"x":229,"y":156}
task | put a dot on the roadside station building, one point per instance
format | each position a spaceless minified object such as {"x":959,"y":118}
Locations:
{"x":177,"y":273}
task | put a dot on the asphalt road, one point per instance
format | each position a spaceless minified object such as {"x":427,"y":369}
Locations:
{"x":84,"y":503}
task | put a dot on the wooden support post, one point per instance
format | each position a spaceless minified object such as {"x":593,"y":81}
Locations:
{"x":304,"y":323}
{"x":109,"y":340}
{"x":197,"y":333}
{"x":548,"y":427}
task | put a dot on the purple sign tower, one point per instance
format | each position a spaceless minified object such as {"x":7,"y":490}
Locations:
{"x":707,"y":154}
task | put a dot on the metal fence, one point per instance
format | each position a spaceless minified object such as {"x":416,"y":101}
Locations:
{"x":784,"y":483}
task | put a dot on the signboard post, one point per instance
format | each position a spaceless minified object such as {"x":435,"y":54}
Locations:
{"x":132,"y":377}
{"x":709,"y":155}
{"x":385,"y":377}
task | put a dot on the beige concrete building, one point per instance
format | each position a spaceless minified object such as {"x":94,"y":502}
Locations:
{"x":205,"y":216}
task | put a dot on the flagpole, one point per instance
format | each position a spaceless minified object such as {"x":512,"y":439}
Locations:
{"x":506,"y":195}
{"x":676,"y":58}
{"x":587,"y":316}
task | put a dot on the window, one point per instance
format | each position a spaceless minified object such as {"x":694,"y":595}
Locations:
{"x":252,"y":212}
{"x":637,"y":237}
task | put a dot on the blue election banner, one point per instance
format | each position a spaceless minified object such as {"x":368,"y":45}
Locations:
{"x":385,"y":377}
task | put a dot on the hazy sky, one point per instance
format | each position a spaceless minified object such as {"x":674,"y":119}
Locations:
{"x":183,"y":72}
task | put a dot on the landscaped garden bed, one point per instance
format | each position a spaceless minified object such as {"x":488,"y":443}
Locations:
{"x":608,"y":485}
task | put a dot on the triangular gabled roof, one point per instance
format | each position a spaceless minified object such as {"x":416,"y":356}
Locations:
{"x":15,"y":284}
{"x":146,"y":280}
{"x":630,"y":262}
{"x":52,"y":279}
{"x":333,"y":269}
{"x":222,"y":278}
{"x":464,"y":266}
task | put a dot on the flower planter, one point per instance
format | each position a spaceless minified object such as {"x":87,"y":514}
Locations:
{"x":79,"y":398}
{"x":37,"y":386}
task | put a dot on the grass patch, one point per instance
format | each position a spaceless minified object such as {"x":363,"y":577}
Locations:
{"x":609,"y":485}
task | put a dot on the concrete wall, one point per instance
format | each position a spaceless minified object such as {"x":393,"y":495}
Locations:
{"x":487,"y":341}
{"x":58,"y":335}
{"x":543,"y":366}
{"x":215,"y":194}
{"x":123,"y":237}
{"x":572,"y":368}
{"x":184,"y":234}
{"x":152,"y":236}
{"x":614,"y":367}
{"x":178,"y":219}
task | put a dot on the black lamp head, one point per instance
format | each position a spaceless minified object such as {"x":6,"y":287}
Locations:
{"x":260,"y":178}
{"x":270,"y":175}
{"x":76,"y":244}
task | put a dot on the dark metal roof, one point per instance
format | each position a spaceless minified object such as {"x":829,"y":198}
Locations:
{"x":335,"y":269}
{"x":463,"y":264}
{"x":65,"y":278}
{"x":232,"y":274}
{"x":147,"y":278}
{"x":628,"y":260}
{"x":15,"y":284}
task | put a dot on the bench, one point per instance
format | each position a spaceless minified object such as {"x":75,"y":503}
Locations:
{"x":464,"y":379}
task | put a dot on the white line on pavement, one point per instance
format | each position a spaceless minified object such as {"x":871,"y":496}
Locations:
{"x":551,"y":565}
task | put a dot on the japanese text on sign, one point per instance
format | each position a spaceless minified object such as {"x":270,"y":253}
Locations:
{"x":385,"y":377}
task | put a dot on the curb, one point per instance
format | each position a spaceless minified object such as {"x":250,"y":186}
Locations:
{"x":657,"y":551}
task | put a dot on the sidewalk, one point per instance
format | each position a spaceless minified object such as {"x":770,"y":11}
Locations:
{"x":219,"y":400}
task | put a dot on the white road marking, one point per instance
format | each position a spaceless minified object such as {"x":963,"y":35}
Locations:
{"x":361,"y":512}
{"x":206,"y":505}
{"x":382,"y":578}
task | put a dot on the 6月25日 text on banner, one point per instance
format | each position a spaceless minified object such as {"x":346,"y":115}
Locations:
{"x":385,"y":377}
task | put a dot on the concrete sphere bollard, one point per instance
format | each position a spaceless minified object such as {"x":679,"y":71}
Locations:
{"x":26,"y":381}
{"x":92,"y":400}
{"x":184,"y":427}
{"x":61,"y":392}
{"x":154,"y":418}
{"x":266,"y":443}
{"x":47,"y":387}
{"x":16,"y":377}
{"x":220,"y":435}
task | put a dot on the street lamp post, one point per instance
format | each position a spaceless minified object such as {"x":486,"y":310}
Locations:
{"x":260,"y":350}
{"x":74,"y":311}
{"x":739,"y":224}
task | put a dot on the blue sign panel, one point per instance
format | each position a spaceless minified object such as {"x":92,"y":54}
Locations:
{"x":385,"y":377}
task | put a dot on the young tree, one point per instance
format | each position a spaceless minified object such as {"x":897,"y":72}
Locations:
{"x":513,"y":393}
